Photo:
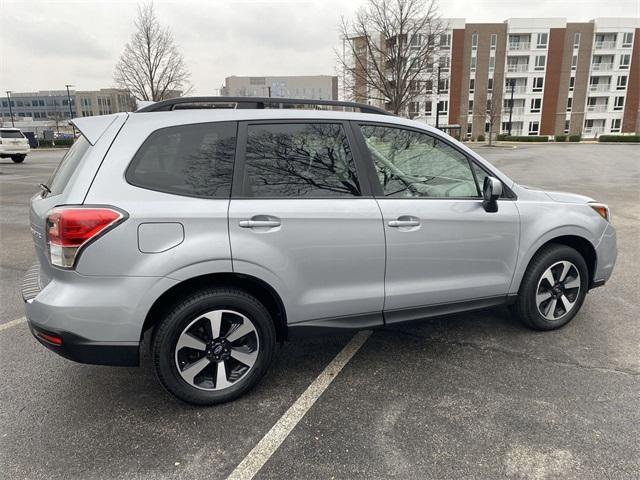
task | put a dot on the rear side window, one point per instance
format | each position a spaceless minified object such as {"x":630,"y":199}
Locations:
{"x":11,"y":134}
{"x":300,"y":160}
{"x":191,"y":160}
{"x":68,"y":165}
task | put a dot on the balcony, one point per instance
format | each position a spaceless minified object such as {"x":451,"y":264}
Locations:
{"x":597,"y":108}
{"x":516,"y":111}
{"x":600,"y":87}
{"x":519,"y":46}
{"x":602,"y":44}
{"x":518,"y":67}
{"x":602,"y":67}
{"x":592,"y":132}
{"x":516,"y":89}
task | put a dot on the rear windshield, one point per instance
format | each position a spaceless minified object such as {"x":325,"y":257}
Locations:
{"x":11,"y":134}
{"x":68,"y":165}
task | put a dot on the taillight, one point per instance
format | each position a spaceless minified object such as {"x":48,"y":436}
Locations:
{"x":69,"y":229}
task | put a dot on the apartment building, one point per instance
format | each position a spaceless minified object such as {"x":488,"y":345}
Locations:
{"x":314,"y":87}
{"x":45,"y":105}
{"x":533,"y":76}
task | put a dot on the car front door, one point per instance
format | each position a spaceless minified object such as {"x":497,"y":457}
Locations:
{"x":302,"y":219}
{"x":444,"y":251}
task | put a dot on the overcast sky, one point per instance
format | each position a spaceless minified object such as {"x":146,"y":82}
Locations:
{"x":46,"y":44}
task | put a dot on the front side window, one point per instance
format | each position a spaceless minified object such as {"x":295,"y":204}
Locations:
{"x":300,"y":160}
{"x":412,"y":164}
{"x":191,"y":160}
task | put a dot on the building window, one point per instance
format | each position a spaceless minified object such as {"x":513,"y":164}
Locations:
{"x":492,"y":63}
{"x":576,"y":40}
{"x":470,"y":107}
{"x":490,"y":85}
{"x":443,"y":86}
{"x":534,"y":127}
{"x":567,"y":124}
{"x":543,"y":38}
{"x":572,"y":83}
{"x":494,"y":41}
{"x":616,"y":123}
{"x":536,"y":103}
{"x":444,"y":107}
{"x":574,"y":62}
{"x":618,"y":103}
{"x":473,"y":63}
{"x":627,"y":39}
{"x":474,"y":41}
{"x":621,"y":84}
{"x":624,"y":61}
{"x":427,"y":107}
{"x":20,"y":103}
{"x":541,"y":61}
{"x":445,"y":40}
{"x":538,"y":82}
{"x":472,"y":85}
{"x":569,"y":103}
{"x":469,"y":129}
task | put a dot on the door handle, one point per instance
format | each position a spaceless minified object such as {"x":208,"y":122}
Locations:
{"x":259,"y":223}
{"x":404,"y":223}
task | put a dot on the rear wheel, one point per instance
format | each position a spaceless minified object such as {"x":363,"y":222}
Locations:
{"x":18,"y":158}
{"x":213,"y":346}
{"x":553,"y":288}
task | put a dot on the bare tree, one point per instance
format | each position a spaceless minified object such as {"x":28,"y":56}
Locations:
{"x":57,"y":118}
{"x":388,"y":51}
{"x":493,"y":114}
{"x":151,"y":68}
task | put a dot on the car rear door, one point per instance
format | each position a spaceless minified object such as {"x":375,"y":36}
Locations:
{"x":444,"y":251}
{"x":303,"y":219}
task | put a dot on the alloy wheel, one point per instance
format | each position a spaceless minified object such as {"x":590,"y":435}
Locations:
{"x":558,"y":290}
{"x":217,"y":349}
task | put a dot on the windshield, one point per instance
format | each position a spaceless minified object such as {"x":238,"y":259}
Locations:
{"x":68,"y":165}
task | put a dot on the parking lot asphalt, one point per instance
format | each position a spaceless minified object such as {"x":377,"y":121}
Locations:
{"x":467,"y":396}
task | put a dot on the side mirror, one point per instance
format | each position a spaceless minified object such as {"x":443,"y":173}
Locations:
{"x":491,"y":191}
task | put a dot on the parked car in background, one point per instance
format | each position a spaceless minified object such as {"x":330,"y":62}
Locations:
{"x":220,"y":232}
{"x":13,"y":144}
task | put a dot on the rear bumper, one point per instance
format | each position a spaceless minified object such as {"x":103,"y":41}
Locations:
{"x":81,"y":350}
{"x":14,"y":151}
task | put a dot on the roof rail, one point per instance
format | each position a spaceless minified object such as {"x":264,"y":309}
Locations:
{"x":185,"y":103}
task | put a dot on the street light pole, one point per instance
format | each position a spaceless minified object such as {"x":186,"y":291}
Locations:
{"x":438,"y":99}
{"x":70,"y":109}
{"x":10,"y":110}
{"x":512,"y":84}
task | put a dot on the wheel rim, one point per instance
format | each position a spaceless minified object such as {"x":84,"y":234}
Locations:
{"x":558,"y":290}
{"x":217,"y":349}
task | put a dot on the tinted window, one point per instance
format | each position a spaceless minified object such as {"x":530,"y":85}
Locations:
{"x":300,"y":160}
{"x":11,"y":134}
{"x":413,"y":164}
{"x":68,"y":165}
{"x":193,"y":160}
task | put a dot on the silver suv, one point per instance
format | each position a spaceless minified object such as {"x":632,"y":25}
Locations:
{"x":221,"y":231}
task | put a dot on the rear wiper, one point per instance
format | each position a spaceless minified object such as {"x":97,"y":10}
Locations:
{"x":45,"y":189}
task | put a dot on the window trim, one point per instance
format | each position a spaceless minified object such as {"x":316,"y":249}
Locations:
{"x":200,"y":197}
{"x":376,"y":187}
{"x":241,"y":187}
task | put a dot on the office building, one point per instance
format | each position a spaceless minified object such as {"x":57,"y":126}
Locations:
{"x":314,"y":87}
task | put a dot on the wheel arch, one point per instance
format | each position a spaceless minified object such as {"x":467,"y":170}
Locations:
{"x":578,"y":243}
{"x":252,"y":285}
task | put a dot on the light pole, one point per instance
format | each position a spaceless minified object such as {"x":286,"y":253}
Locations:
{"x":10,"y":110}
{"x":70,"y":109}
{"x":512,"y":84}
{"x":438,"y":99}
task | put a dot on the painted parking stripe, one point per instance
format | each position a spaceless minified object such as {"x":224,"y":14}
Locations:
{"x":261,"y":453}
{"x":12,"y":323}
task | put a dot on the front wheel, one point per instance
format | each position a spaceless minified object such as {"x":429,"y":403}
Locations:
{"x":213,"y":346}
{"x":18,"y":158}
{"x":553,"y":288}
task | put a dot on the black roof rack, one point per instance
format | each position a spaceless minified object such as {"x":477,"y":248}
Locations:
{"x":185,"y":103}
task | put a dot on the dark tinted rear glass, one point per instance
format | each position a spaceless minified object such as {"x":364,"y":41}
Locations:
{"x":10,"y":134}
{"x":192,"y":160}
{"x":68,"y":165}
{"x":300,"y":160}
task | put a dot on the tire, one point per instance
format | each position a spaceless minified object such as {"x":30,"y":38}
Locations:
{"x":182,"y":344}
{"x":18,"y":158}
{"x":535,"y":305}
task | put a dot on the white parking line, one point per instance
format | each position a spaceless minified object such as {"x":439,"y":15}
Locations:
{"x":266,"y":447}
{"x":12,"y":323}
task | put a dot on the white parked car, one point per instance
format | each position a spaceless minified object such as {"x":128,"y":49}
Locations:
{"x":13,"y":144}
